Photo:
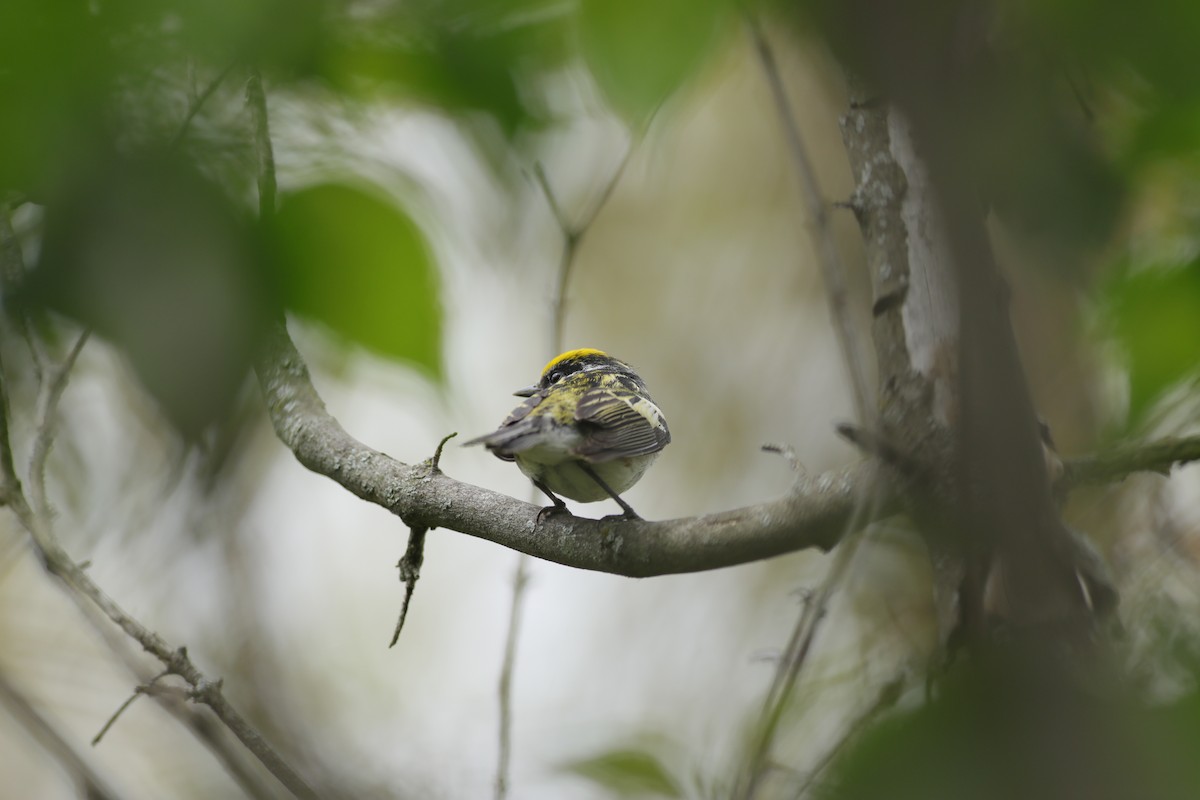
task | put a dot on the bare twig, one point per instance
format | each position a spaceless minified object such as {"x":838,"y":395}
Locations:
{"x":1113,"y":465}
{"x":198,"y":103}
{"x":887,"y":696}
{"x":507,"y":670}
{"x":435,"y":463}
{"x":572,"y":234}
{"x":414,"y":554}
{"x":833,"y":270}
{"x":138,"y":691}
{"x":256,"y":99}
{"x":410,"y":571}
{"x":90,"y":784}
{"x":539,"y":173}
{"x":12,"y":275}
{"x":54,"y":383}
{"x":788,"y":454}
{"x":795,"y":656}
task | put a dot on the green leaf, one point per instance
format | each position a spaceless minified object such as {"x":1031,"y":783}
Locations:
{"x":157,"y":260}
{"x":639,"y":53}
{"x":628,"y":773}
{"x":1154,"y":313}
{"x":56,"y":67}
{"x":1004,"y":731}
{"x":461,"y":57}
{"x":355,"y":262}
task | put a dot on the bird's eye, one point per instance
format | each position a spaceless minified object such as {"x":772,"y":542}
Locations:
{"x":555,"y":376}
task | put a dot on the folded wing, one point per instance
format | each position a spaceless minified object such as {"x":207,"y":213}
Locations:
{"x":619,"y":424}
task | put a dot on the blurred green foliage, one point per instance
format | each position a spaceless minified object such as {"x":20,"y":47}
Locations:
{"x":1154,"y":314}
{"x":148,"y":236}
{"x":151,"y":255}
{"x":461,"y":57}
{"x":628,"y":773}
{"x":997,"y":737}
{"x":639,"y":53}
{"x":352,"y":260}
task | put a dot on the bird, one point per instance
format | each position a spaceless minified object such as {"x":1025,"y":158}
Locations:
{"x":588,"y":430}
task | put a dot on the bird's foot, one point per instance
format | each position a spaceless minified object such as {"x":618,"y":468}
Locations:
{"x":549,"y":511}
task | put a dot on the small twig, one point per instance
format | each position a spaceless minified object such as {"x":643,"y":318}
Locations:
{"x":414,"y":555}
{"x":876,"y":444}
{"x":507,"y":670}
{"x":90,"y":784}
{"x":410,"y":571}
{"x":256,"y":99}
{"x":435,"y":462}
{"x":138,"y":691}
{"x":833,"y":270}
{"x":837,"y":293}
{"x":794,"y":657}
{"x":11,"y":493}
{"x":539,"y":172}
{"x":197,"y":103}
{"x":50,"y":394}
{"x":176,"y":661}
{"x":602,"y":199}
{"x":12,"y":275}
{"x":1111,"y":465}
{"x":887,"y":696}
{"x":572,"y":235}
{"x":200,"y":722}
{"x":789,"y":455}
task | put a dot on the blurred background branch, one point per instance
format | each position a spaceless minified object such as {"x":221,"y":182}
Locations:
{"x":36,"y":516}
{"x":90,"y":784}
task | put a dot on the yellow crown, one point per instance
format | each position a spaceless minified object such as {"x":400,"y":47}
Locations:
{"x":580,"y":353}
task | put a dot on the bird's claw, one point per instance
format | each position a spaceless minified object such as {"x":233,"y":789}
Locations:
{"x":549,"y":511}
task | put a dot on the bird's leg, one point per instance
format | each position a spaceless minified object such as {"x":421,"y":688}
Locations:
{"x":558,"y":506}
{"x":591,"y":473}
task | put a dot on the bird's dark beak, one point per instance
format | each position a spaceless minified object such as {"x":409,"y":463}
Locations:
{"x":528,"y":391}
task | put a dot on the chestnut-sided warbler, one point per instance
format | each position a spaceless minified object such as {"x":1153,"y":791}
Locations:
{"x":587,"y":431}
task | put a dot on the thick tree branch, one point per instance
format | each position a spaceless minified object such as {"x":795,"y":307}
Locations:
{"x":812,"y":515}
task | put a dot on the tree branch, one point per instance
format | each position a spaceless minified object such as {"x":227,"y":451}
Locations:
{"x":833,"y":269}
{"x":36,"y":519}
{"x":507,"y":671}
{"x":198,"y":103}
{"x":1114,"y":465}
{"x":812,"y":515}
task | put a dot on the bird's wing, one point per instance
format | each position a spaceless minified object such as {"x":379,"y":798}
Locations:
{"x":619,"y":423}
{"x":516,"y":433}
